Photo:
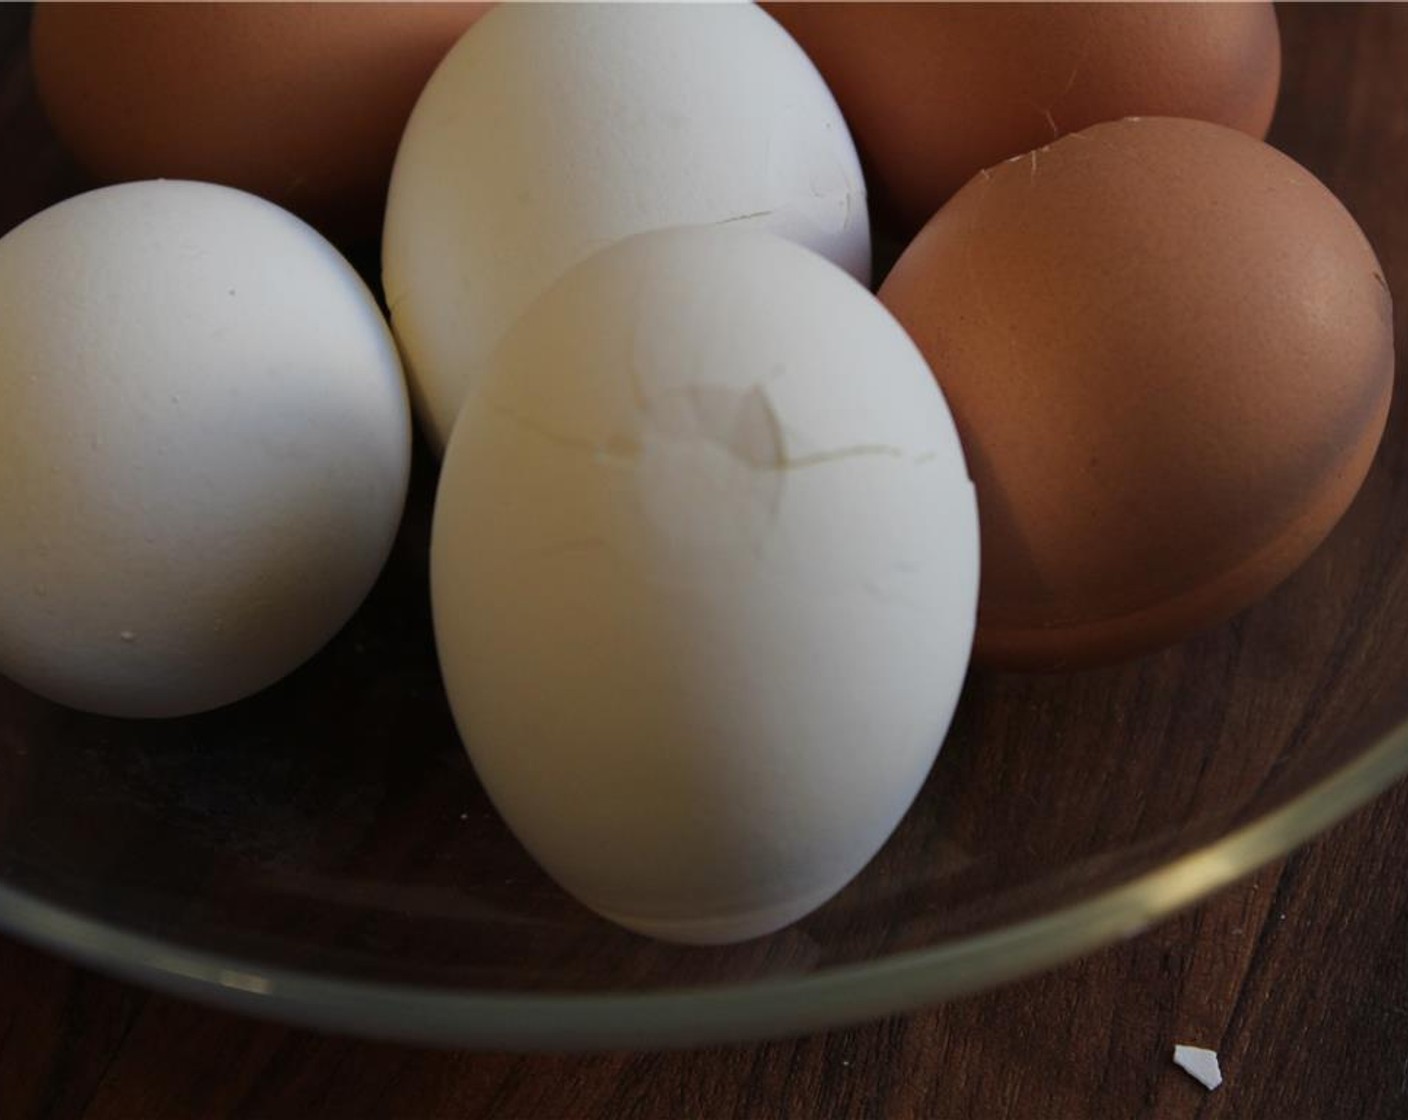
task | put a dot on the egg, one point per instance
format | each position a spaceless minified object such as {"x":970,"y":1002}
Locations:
{"x":204,"y":447}
{"x":935,"y":92}
{"x":703,"y":570}
{"x":301,"y":103}
{"x":1169,"y":352}
{"x":551,"y":131}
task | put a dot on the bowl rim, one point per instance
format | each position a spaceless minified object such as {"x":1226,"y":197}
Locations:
{"x":735,"y":1012}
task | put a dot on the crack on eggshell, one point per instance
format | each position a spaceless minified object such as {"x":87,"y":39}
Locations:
{"x":1071,"y":81}
{"x":551,"y":435}
{"x":1051,"y":123}
{"x":747,"y":217}
{"x":1047,"y":116}
{"x":771,"y":457}
{"x":816,"y":216}
{"x":860,"y":451}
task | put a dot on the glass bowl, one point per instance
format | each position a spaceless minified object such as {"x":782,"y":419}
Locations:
{"x":322,"y":854}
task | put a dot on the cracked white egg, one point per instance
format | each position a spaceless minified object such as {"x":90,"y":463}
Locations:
{"x":204,"y":447}
{"x":552,"y":130}
{"x":704,"y":574}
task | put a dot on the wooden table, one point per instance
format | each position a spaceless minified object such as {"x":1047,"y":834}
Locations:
{"x":1298,"y":977}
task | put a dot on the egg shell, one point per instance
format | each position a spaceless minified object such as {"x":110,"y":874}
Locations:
{"x":302,"y":103}
{"x":703,"y":569}
{"x":936,"y":92}
{"x":551,"y":131}
{"x":1169,"y":351}
{"x":204,"y":447}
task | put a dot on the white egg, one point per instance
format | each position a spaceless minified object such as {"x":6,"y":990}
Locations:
{"x":704,"y":572}
{"x":204,"y":447}
{"x":551,"y":131}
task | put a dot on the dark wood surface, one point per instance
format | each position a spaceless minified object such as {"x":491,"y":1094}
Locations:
{"x":1298,"y":977}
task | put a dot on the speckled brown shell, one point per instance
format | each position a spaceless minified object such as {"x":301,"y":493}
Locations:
{"x":933,"y":92}
{"x":1169,"y":351}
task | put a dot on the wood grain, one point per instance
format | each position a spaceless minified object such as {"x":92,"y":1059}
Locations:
{"x":1298,"y":977}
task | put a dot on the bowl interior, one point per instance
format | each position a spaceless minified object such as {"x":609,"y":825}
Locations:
{"x":333,"y":824}
{"x":332,"y":827}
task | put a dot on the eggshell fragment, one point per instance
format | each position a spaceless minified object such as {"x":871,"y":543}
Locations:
{"x":1200,"y":1064}
{"x":204,"y":447}
{"x":704,"y":572}
{"x":551,"y":131}
{"x":1169,"y":351}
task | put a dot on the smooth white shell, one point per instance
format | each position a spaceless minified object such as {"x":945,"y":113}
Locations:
{"x":704,"y":573}
{"x":204,"y":447}
{"x":553,"y":130}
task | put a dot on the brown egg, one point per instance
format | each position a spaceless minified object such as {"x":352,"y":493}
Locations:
{"x":303,"y":103}
{"x":934,"y":92}
{"x":1169,"y":352}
